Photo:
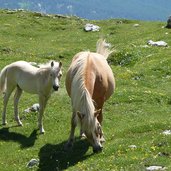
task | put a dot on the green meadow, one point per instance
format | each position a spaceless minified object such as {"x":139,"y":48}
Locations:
{"x":134,"y":117}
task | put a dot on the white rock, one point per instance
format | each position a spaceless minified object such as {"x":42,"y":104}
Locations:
{"x":32,"y":163}
{"x":136,"y":25}
{"x":154,"y":168}
{"x":35,"y":107}
{"x":132,"y":146}
{"x":167,"y":132}
{"x":91,"y":27}
{"x":27,"y":110}
{"x":158,"y":43}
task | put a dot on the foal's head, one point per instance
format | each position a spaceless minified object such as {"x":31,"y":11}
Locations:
{"x":56,"y":74}
{"x":93,"y":132}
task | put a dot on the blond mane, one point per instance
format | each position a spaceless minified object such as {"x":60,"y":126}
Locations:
{"x":81,"y":99}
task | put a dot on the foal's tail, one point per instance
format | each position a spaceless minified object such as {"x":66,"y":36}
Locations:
{"x":103,"y":48}
{"x":3,"y":79}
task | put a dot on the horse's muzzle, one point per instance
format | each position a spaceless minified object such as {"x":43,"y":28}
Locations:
{"x":55,"y":87}
{"x":97,"y":149}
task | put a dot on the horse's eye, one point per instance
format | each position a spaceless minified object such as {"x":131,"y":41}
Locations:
{"x":51,"y":75}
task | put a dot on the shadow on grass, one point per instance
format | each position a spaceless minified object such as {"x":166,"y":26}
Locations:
{"x":25,"y":142}
{"x":54,"y":158}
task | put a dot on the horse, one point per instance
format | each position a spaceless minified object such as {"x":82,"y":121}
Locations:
{"x":89,"y":83}
{"x":22,"y":75}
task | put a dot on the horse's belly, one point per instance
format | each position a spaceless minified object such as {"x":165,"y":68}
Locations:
{"x":28,"y":85}
{"x":28,"y":88}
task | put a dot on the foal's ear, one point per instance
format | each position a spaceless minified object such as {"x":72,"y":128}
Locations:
{"x":52,"y":64}
{"x":81,"y":116}
{"x":60,"y":64}
{"x":97,"y":112}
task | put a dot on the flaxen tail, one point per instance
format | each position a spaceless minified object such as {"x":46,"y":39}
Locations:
{"x":103,"y":48}
{"x":3,"y":79}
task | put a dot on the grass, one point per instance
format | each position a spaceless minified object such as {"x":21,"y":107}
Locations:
{"x":137,"y":113}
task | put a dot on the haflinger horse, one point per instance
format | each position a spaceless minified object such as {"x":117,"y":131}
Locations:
{"x":22,"y":75}
{"x":89,"y":83}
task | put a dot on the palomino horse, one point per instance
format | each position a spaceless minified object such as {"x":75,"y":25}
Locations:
{"x":89,"y":83}
{"x":23,"y":76}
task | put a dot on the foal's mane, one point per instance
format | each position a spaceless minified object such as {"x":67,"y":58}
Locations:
{"x":45,"y":65}
{"x":81,"y":99}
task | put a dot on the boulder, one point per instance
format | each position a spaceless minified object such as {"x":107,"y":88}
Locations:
{"x":168,"y":23}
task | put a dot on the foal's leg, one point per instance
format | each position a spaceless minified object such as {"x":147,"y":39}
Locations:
{"x":42,"y":103}
{"x":7,"y":94}
{"x":71,"y":137}
{"x":16,"y":100}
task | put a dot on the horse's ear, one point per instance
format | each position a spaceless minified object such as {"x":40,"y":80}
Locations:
{"x":81,"y":116}
{"x":52,"y":64}
{"x":97,"y":112}
{"x":60,"y":64}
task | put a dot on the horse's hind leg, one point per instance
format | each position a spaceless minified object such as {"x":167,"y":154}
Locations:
{"x":16,"y":100}
{"x":7,"y":94}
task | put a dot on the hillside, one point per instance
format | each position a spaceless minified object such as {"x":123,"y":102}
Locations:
{"x":136,"y":114}
{"x":97,"y":10}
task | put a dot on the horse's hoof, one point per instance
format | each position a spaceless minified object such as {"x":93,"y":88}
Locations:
{"x":4,"y":123}
{"x":42,"y":132}
{"x":20,"y":124}
{"x":82,"y":136}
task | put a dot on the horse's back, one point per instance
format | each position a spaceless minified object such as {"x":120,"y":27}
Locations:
{"x":20,"y":65}
{"x":99,"y":79}
{"x":22,"y":73}
{"x":19,"y":70}
{"x":104,"y":79}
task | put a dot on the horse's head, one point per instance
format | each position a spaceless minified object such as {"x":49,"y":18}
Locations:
{"x":56,"y":74}
{"x":93,"y":132}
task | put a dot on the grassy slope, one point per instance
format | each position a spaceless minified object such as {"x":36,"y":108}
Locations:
{"x":136,"y":114}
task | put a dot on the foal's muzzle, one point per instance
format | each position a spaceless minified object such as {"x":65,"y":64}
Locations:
{"x":55,"y":87}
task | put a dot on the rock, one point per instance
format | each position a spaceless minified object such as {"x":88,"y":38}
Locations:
{"x":34,"y":108}
{"x":132,"y":146}
{"x":136,"y":25}
{"x":155,"y":168}
{"x":32,"y":163}
{"x":158,"y":43}
{"x":167,"y":132}
{"x":91,"y":27}
{"x":168,"y":23}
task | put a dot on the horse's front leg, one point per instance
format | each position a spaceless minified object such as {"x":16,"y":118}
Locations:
{"x":42,"y":103}
{"x":70,"y":142}
{"x":100,"y":119}
{"x":82,"y":134}
{"x":16,"y":100}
